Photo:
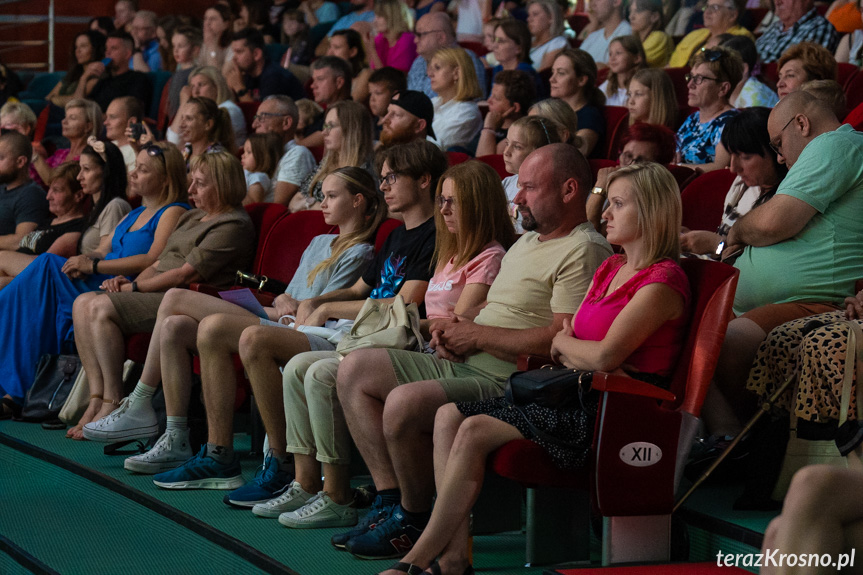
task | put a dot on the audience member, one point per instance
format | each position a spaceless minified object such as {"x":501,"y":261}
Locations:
{"x":545,"y":22}
{"x":383,"y":85}
{"x":310,"y":112}
{"x":348,"y":45}
{"x":89,"y":47}
{"x":165,"y":28}
{"x":802,"y":63}
{"x":720,"y":17}
{"x":633,"y":319}
{"x":186,"y":43}
{"x":715,"y":73}
{"x":390,"y":411}
{"x":17,"y":117}
{"x":147,"y":57}
{"x":625,"y":58}
{"x":295,"y":33}
{"x":121,"y":113}
{"x":512,"y":50}
{"x":433,"y":32}
{"x":565,"y":118}
{"x":83,"y":120}
{"x":251,"y":76}
{"x":395,"y":44}
{"x":261,"y":154}
{"x":651,"y":99}
{"x":255,"y":14}
{"x":850,"y":46}
{"x":116,"y":79}
{"x":830,"y":92}
{"x":457,"y":119}
{"x":573,"y":80}
{"x":319,"y":11}
{"x":646,"y":20}
{"x":207,"y":82}
{"x":512,"y":93}
{"x":217,"y":37}
{"x":124,"y":13}
{"x":23,"y":207}
{"x":410,"y":116}
{"x":331,"y":83}
{"x":796,"y":21}
{"x":102,"y":24}
{"x":751,"y":91}
{"x":607,"y":23}
{"x":361,"y":11}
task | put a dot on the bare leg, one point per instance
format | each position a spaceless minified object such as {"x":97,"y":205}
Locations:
{"x":362,"y":393}
{"x":264,"y":350}
{"x":465,"y":470}
{"x":408,"y":423}
{"x":308,"y":472}
{"x":108,"y":347}
{"x":82,"y":311}
{"x":12,"y":264}
{"x":337,"y":483}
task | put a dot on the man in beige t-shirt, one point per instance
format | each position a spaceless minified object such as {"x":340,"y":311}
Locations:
{"x":390,"y":396}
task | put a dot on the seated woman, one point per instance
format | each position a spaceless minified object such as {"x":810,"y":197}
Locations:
{"x":347,"y":142}
{"x":720,"y":17}
{"x":330,"y":262}
{"x":801,"y":63}
{"x":651,"y":99}
{"x":625,"y":58}
{"x":758,"y":175}
{"x":512,"y":50}
{"x":751,"y":91}
{"x":83,"y":120}
{"x":714,"y":75}
{"x":646,"y":19}
{"x":633,"y":320}
{"x":850,"y":47}
{"x":40,"y":320}
{"x":204,"y":128}
{"x":473,"y":233}
{"x":395,"y":44}
{"x":348,"y":45}
{"x":457,"y":119}
{"x":573,"y":80}
{"x":545,"y":23}
{"x":61,"y":235}
{"x":210,"y":243}
{"x":207,"y":82}
{"x":89,"y":47}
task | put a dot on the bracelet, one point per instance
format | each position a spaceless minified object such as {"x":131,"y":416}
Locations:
{"x":134,"y":286}
{"x":95,"y":263}
{"x":598,"y":191}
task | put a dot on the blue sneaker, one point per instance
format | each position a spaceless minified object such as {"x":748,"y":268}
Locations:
{"x":389,"y":539}
{"x":376,"y":514}
{"x":201,"y":472}
{"x":269,"y":482}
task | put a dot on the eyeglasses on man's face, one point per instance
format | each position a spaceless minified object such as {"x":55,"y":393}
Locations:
{"x":776,"y":143}
{"x":261,"y":116}
{"x":389,"y":179}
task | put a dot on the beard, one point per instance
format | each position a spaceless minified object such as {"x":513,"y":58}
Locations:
{"x":390,"y":136}
{"x":7,"y":178}
{"x":528,"y":222}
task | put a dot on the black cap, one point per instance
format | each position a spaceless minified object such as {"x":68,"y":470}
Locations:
{"x":417,"y":104}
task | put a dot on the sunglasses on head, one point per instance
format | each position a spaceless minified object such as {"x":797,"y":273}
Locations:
{"x":155,"y":151}
{"x":711,"y":55}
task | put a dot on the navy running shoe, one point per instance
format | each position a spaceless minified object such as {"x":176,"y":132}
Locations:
{"x":201,"y":472}
{"x":376,"y":514}
{"x":269,"y":482}
{"x":390,"y":539}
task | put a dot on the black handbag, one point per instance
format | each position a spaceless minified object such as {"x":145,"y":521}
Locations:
{"x":55,"y":377}
{"x":555,"y":386}
{"x":260,"y":283}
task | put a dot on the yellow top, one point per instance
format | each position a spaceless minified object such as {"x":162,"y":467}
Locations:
{"x":658,"y":47}
{"x":695,"y":40}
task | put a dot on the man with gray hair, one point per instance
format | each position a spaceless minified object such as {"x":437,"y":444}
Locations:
{"x":147,"y":57}
{"x":278,"y":115}
{"x":796,"y":21}
{"x":433,"y":32}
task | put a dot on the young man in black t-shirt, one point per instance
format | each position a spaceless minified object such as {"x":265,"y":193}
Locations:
{"x":251,"y":77}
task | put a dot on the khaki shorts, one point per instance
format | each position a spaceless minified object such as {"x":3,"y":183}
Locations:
{"x":459,"y":381}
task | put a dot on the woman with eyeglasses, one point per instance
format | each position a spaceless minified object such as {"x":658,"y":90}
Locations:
{"x":720,"y":17}
{"x":715,"y":73}
{"x":38,"y":303}
{"x":512,"y":47}
{"x":473,"y":231}
{"x":348,"y":135}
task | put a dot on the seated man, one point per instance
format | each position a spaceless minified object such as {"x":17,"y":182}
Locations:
{"x":251,"y":76}
{"x":384,"y":83}
{"x":409,"y":117}
{"x":800,"y":250}
{"x":23,"y":206}
{"x":402,"y":266}
{"x":390,"y":409}
{"x":331,"y":83}
{"x":147,"y":58}
{"x":796,"y":21}
{"x":121,"y":112}
{"x":117,"y":80}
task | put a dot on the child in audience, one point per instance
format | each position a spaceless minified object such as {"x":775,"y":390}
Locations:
{"x":510,"y":98}
{"x":310,"y":112}
{"x":524,"y":136}
{"x":261,"y":154}
{"x":651,"y":99}
{"x":559,"y":111}
{"x":383,"y":85}
{"x":625,"y":58}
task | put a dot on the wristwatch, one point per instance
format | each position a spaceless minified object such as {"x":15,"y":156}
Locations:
{"x":134,"y":286}
{"x":598,"y":191}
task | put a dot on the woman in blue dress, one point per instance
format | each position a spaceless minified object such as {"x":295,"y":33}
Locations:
{"x":37,"y":305}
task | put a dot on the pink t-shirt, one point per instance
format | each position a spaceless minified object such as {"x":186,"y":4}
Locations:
{"x":447,"y":284}
{"x":59,"y":157}
{"x":399,"y":56}
{"x":659,"y":353}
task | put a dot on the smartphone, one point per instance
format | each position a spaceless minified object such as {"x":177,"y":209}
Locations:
{"x":106,"y":62}
{"x":137,"y":131}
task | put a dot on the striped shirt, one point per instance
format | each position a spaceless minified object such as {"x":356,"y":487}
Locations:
{"x":812,"y":27}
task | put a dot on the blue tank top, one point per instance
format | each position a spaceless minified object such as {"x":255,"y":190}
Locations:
{"x":125,"y":243}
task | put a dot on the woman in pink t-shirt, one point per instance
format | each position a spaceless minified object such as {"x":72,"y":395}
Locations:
{"x":394,"y":44}
{"x":633,"y":320}
{"x":473,"y":232}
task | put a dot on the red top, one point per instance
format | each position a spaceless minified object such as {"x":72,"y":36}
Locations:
{"x":659,"y":353}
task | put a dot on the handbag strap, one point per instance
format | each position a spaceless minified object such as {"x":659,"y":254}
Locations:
{"x":855,"y":347}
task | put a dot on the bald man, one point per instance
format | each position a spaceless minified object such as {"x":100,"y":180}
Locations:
{"x":433,"y":32}
{"x":802,"y":251}
{"x":390,"y":409}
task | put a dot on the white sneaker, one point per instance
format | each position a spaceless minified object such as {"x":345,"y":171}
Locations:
{"x":132,"y":420}
{"x":291,"y":500}
{"x":170,"y":451}
{"x":320,"y":511}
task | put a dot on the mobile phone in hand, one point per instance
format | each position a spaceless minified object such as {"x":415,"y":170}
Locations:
{"x":137,"y":131}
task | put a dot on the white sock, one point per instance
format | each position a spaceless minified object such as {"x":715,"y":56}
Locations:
{"x":142,"y":391}
{"x":177,"y":423}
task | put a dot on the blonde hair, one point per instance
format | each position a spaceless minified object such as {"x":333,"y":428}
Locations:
{"x":227,"y":174}
{"x":727,"y":68}
{"x":215,"y":77}
{"x":539,"y":131}
{"x":663,"y":102}
{"x":92,"y":112}
{"x":657,"y":199}
{"x":552,"y":9}
{"x":482,"y":214}
{"x":173,"y":169}
{"x":397,"y":14}
{"x":222,"y":130}
{"x":357,"y":145}
{"x":22,"y":113}
{"x":467,"y":87}
{"x":562,"y":113}
{"x":357,"y":181}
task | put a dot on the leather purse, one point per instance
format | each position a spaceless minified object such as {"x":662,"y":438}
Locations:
{"x":555,"y":386}
{"x":391,"y":325}
{"x":55,"y":376}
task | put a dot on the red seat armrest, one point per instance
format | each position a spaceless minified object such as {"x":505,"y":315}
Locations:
{"x":622,"y":384}
{"x":205,"y":288}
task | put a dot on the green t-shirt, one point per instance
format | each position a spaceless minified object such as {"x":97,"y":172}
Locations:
{"x":822,"y":262}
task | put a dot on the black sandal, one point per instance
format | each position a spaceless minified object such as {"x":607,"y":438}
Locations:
{"x":9,"y":409}
{"x":408,"y":568}
{"x":435,"y":569}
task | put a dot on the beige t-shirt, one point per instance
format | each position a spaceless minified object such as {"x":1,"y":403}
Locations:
{"x":114,"y":212}
{"x":539,"y":279}
{"x":216,"y":248}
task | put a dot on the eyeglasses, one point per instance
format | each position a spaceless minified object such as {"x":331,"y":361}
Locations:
{"x":712,"y":55}
{"x":716,"y":7}
{"x":499,"y":40}
{"x":421,"y":34}
{"x":155,"y":151}
{"x":443,"y":202}
{"x":775,"y":145}
{"x":627,"y":159}
{"x":698,"y":79}
{"x":264,"y":115}
{"x":390,"y":178}
{"x":329,"y":127}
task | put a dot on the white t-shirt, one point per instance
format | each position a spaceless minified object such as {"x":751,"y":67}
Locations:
{"x":536,"y":54}
{"x":455,"y":123}
{"x":596,"y":44}
{"x":296,"y":164}
{"x":263,"y":179}
{"x":130,"y":158}
{"x":617,"y":99}
{"x":469,"y":19}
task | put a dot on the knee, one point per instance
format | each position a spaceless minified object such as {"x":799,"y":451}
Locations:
{"x":472,"y":433}
{"x":252,"y":343}
{"x":175,"y":301}
{"x":210,"y":331}
{"x":400,"y":412}
{"x":447,"y":419}
{"x":176,"y":328}
{"x":354,"y":373}
{"x":102,"y":310}
{"x":811,"y":488}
